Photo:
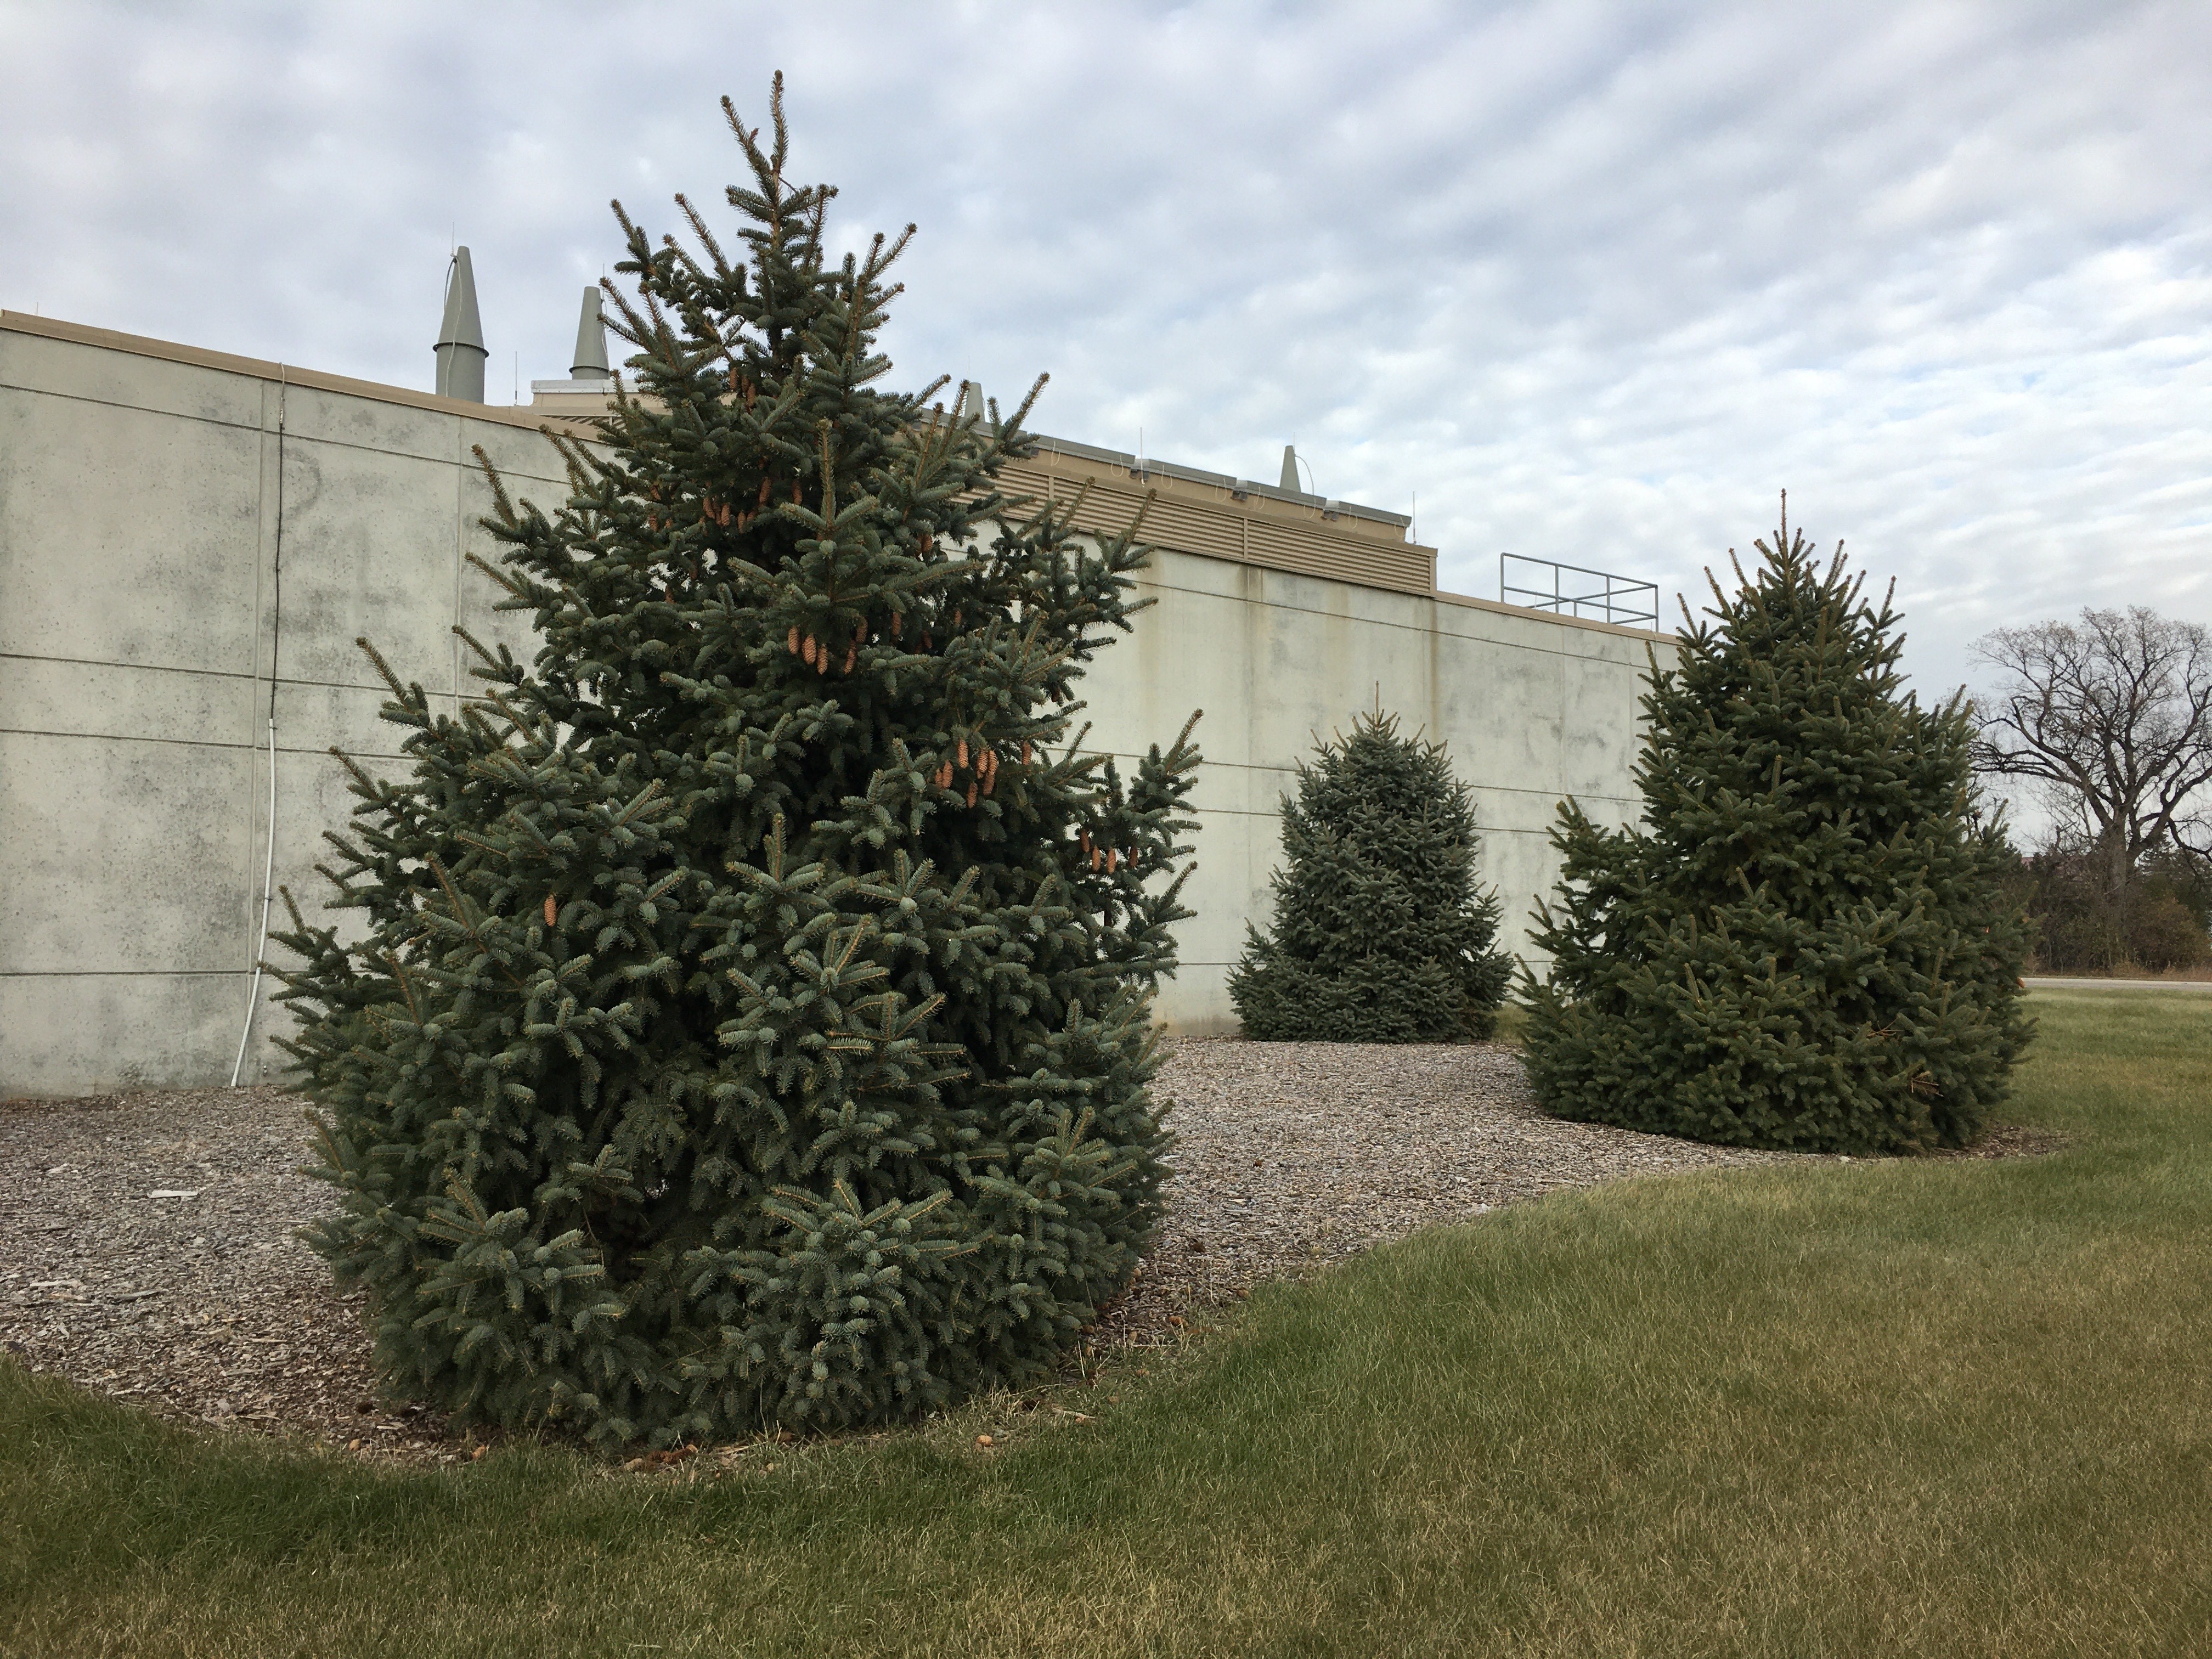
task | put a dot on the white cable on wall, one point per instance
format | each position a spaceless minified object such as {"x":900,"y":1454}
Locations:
{"x":267,"y":893}
{"x":276,"y":635}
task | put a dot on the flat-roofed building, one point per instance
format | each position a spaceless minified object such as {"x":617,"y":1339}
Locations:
{"x":191,"y":542}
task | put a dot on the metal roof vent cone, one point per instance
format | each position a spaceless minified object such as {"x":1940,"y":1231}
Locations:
{"x":1290,"y":469}
{"x":460,"y":346}
{"x":591,"y":362}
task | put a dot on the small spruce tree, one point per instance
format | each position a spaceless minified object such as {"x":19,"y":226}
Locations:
{"x":1806,"y":943}
{"x":749,"y":1019}
{"x":1380,"y":934}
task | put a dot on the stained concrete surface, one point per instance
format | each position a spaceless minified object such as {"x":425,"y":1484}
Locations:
{"x":141,"y":601}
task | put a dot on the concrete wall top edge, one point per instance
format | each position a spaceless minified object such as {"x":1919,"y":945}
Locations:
{"x":1588,"y":624}
{"x":84,"y":334}
{"x":51,"y":328}
{"x":1214,"y":575}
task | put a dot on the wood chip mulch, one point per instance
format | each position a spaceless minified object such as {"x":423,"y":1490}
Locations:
{"x":156,"y":1258}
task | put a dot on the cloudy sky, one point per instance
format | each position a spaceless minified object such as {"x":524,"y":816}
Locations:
{"x":1593,"y":281}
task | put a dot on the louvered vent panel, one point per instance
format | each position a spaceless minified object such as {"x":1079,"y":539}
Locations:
{"x":1023,"y":481}
{"x":1103,"y":511}
{"x":1183,"y":526}
{"x":1376,"y":564}
{"x":1191,"y":527}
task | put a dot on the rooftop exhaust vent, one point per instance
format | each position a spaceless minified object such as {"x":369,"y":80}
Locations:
{"x":591,"y":362}
{"x":460,"y":348}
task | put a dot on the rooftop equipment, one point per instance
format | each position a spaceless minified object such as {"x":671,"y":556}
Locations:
{"x":591,"y":362}
{"x":460,"y":347}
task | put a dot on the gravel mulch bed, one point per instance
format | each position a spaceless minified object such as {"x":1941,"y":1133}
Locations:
{"x":1292,"y":1155}
{"x":155,"y":1255}
{"x":154,"y":1258}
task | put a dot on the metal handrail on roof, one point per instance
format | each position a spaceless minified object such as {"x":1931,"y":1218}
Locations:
{"x":1618,"y":599}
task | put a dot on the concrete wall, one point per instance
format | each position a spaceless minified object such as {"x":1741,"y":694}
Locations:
{"x":1531,"y":708}
{"x":139,"y":620}
{"x":148,"y":605}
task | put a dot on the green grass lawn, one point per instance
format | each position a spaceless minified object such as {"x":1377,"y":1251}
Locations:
{"x":1954,"y":1407}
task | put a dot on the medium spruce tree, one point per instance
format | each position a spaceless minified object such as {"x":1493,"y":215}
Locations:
{"x":747,"y":1020}
{"x":1805,"y":944}
{"x":1380,"y":934}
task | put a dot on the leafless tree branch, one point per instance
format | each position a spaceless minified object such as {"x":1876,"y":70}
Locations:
{"x":2113,"y":713}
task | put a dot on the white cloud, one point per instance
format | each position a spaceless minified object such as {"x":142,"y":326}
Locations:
{"x":1594,"y":280}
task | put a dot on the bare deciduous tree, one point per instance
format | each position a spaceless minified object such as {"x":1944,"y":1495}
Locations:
{"x":2114,"y":715}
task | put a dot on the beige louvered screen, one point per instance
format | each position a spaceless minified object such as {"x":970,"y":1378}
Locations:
{"x":1277,"y":537}
{"x":1315,"y":552}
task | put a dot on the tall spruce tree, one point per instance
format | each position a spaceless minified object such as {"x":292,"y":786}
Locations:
{"x":1806,"y":943}
{"x":1380,"y":934}
{"x":749,"y":1019}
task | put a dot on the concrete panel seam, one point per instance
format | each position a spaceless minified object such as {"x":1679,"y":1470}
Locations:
{"x":116,"y":737}
{"x":219,"y":673}
{"x":256,"y":748}
{"x":1488,"y":831}
{"x":150,"y":667}
{"x":251,"y":425}
{"x":124,"y":972}
{"x":1290,"y":772}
